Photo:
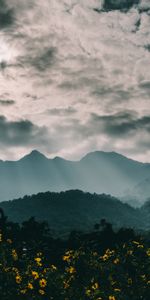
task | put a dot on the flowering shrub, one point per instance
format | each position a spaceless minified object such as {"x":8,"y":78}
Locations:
{"x":121,"y":273}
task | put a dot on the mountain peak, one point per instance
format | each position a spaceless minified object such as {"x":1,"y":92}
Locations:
{"x":34,"y":155}
{"x":35,"y":152}
{"x":112,"y":155}
{"x":103,"y":154}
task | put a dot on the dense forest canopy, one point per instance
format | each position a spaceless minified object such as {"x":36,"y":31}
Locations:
{"x":76,"y":210}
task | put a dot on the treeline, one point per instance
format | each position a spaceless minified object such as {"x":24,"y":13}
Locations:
{"x":31,"y":236}
{"x":76,"y":210}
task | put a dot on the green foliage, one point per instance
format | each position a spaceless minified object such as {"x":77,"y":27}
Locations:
{"x":99,"y":265}
{"x":75,"y":210}
{"x":124,"y":5}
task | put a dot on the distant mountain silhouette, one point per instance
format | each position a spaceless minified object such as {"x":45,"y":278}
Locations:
{"x":33,"y":156}
{"x":145,"y":209}
{"x":100,"y":172}
{"x":74,"y":210}
{"x":140,"y":192}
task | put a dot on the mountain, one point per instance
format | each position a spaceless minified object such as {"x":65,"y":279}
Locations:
{"x":100,"y":172}
{"x":139,"y":193}
{"x":74,"y":209}
{"x":145,"y":209}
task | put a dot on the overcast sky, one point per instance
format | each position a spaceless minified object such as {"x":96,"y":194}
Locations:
{"x":74,"y":77}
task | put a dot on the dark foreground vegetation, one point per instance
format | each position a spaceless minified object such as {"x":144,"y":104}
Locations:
{"x":101,"y":265}
{"x":75,"y":209}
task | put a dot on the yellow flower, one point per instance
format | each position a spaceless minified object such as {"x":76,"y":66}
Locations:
{"x":38,"y":261}
{"x":39,"y":254}
{"x":148,"y":252}
{"x":9,"y":241}
{"x":68,"y":255}
{"x":45,"y":270}
{"x":130,"y":281}
{"x":117,"y":290}
{"x":35,"y":274}
{"x":140,"y":246}
{"x":71,"y":270}
{"x":110,"y":252}
{"x":95,"y":286}
{"x":41,"y":292}
{"x":14,"y":254}
{"x":18,"y":279}
{"x":54,"y":268}
{"x":1,"y":237}
{"x":112,"y":298}
{"x":15,"y":270}
{"x":116,"y":261}
{"x":88,"y":292}
{"x":105,"y":257}
{"x":135,"y":242}
{"x":66,"y":258}
{"x":30,"y":286}
{"x":143,"y":277}
{"x":43,"y":283}
{"x":23,"y":291}
{"x":95,"y":253}
{"x":66,"y":284}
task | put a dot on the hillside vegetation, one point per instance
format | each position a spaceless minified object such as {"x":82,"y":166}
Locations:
{"x":76,"y":210}
{"x":100,"y":265}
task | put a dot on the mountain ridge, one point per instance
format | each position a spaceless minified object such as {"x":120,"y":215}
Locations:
{"x":98,"y":171}
{"x":37,"y":153}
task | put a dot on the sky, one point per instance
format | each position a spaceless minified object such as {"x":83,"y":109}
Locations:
{"x":74,"y":77}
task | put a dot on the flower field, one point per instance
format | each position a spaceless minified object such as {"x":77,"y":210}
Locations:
{"x":119,"y":273}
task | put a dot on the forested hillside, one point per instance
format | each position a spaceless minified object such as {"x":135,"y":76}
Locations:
{"x":75,"y":209}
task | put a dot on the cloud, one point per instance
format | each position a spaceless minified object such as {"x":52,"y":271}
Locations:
{"x":145,"y":85}
{"x":117,"y":93}
{"x":43,"y":61}
{"x":67,"y":61}
{"x":123,"y":5}
{"x":147,"y":47}
{"x":20,"y":133}
{"x":6,"y":15}
{"x":62,"y":112}
{"x":144,"y":6}
{"x":121,"y":124}
{"x":39,"y":59}
{"x":7,"y":102}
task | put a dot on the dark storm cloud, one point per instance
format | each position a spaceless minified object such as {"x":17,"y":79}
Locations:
{"x":144,"y":7}
{"x":41,"y":61}
{"x":117,"y":92}
{"x":3,"y":65}
{"x":78,"y":80}
{"x":7,"y":102}
{"x":45,"y":60}
{"x":20,"y":133}
{"x":33,"y":97}
{"x":121,"y":123}
{"x":137,"y":25}
{"x":6,"y":15}
{"x":62,"y":111}
{"x":145,"y":85}
{"x":123,"y":5}
{"x":147,"y":47}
